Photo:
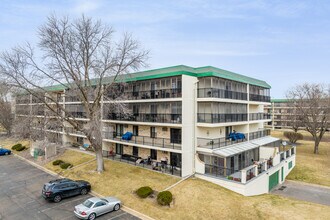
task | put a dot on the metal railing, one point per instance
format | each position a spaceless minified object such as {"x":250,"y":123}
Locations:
{"x":71,"y":130}
{"x":171,"y":143}
{"x":146,"y":117}
{"x":148,"y":94}
{"x":217,"y":142}
{"x":259,"y":116}
{"x":259,"y":98}
{"x":220,"y":93}
{"x":259,"y":134}
{"x":144,"y":163}
{"x":218,"y":171}
{"x":221,"y":118}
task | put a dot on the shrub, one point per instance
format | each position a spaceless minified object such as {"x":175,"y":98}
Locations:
{"x":293,"y":136}
{"x":144,"y":192}
{"x":164,"y":198}
{"x":57,"y":162}
{"x":16,"y":146}
{"x":20,"y":148}
{"x":65,"y":166}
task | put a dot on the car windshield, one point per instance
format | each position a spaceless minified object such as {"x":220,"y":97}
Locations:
{"x":88,"y":203}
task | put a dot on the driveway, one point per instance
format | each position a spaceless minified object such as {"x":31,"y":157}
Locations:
{"x":20,"y":195}
{"x":304,"y":191}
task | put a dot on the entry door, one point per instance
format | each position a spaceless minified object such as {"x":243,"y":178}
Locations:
{"x":228,"y":130}
{"x":175,"y":135}
{"x":175,"y":159}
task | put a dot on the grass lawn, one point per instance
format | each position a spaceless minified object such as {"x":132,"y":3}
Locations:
{"x":193,"y":198}
{"x":9,"y":142}
{"x":310,"y":167}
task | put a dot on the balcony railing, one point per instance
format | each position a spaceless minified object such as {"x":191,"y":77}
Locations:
{"x":259,"y":98}
{"x":171,"y":143}
{"x":221,"y":118}
{"x":259,"y":116}
{"x":150,"y":94}
{"x":221,"y":93}
{"x":55,"y":128}
{"x":73,"y":131}
{"x":259,"y":134}
{"x":215,"y":143}
{"x":77,"y":114}
{"x":145,"y":117}
{"x":218,"y":171}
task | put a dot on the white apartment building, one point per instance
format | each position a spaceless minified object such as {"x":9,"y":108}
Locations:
{"x":185,"y":121}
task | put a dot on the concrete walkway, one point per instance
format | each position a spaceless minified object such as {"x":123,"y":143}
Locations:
{"x":304,"y":191}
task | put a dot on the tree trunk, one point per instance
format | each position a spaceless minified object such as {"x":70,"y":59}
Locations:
{"x":99,"y":160}
{"x":316,"y":146}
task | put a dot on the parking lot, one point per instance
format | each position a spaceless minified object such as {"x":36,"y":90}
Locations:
{"x":20,"y":195}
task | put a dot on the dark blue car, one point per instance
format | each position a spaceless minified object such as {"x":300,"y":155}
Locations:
{"x":4,"y":151}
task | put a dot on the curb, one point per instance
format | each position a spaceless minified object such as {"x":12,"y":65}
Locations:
{"x":307,"y":184}
{"x":93,"y":193}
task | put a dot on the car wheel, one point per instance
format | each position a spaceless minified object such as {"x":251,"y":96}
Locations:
{"x":117,"y":207}
{"x":6,"y":153}
{"x":92,"y":216}
{"x":57,"y":198}
{"x":83,"y":191}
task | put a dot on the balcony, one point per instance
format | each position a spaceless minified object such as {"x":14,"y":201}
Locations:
{"x":259,"y":98}
{"x":259,"y":116}
{"x":259,"y":134}
{"x":169,"y":143}
{"x":146,"y":117}
{"x":215,"y":143}
{"x":71,"y":130}
{"x":220,"y":118}
{"x":221,"y":93}
{"x":150,"y":94}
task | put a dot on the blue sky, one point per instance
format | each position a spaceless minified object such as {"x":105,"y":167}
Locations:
{"x":282,"y":42}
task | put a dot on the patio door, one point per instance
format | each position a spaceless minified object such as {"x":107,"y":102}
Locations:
{"x":175,"y":159}
{"x":119,"y":129}
{"x":153,"y":154}
{"x":175,"y":135}
{"x":119,"y":149}
{"x":135,"y":151}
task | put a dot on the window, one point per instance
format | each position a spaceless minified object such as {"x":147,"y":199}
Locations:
{"x":119,"y":149}
{"x":98,"y":204}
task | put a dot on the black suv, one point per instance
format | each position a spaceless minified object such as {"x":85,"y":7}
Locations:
{"x":58,"y":189}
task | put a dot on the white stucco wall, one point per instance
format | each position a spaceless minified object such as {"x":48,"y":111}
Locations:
{"x":188,"y":124}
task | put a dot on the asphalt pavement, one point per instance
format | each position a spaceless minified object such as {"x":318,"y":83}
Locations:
{"x":20,"y":195}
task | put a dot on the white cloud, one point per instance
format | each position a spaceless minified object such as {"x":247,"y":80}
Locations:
{"x":85,"y":6}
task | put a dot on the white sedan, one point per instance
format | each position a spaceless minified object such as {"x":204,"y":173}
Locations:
{"x":95,"y":206}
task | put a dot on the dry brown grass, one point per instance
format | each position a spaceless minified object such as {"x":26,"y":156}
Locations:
{"x":193,"y":198}
{"x":9,"y":142}
{"x":310,"y":167}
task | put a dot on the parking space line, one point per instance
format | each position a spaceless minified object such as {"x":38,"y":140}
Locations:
{"x":62,"y":203}
{"x":117,"y":216}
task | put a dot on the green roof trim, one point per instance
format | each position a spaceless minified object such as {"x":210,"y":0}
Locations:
{"x":177,"y":71}
{"x":279,"y":100}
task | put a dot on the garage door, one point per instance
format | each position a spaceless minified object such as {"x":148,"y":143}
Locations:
{"x":273,"y":180}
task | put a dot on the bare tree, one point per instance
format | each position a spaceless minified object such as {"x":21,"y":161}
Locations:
{"x":82,"y":57}
{"x":312,"y":106}
{"x":6,"y":114}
